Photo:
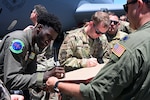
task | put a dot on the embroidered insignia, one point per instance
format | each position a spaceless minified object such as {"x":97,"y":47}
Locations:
{"x":118,"y":49}
{"x":16,"y":46}
{"x":125,"y":38}
{"x":32,"y":55}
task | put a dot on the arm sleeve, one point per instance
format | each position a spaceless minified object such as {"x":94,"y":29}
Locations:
{"x":72,"y":55}
{"x":111,"y":79}
{"x":19,"y":73}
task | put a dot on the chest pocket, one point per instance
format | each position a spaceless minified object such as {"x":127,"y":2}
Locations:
{"x":97,"y":50}
{"x":29,"y":64}
{"x":29,"y":61}
{"x":82,"y":49}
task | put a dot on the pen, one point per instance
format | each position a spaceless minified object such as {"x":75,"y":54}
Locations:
{"x":56,"y":58}
{"x":91,"y":56}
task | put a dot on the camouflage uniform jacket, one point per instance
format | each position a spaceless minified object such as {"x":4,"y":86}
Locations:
{"x":113,"y":40}
{"x":77,"y":47}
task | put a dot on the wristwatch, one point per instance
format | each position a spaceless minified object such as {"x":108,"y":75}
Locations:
{"x":19,"y":92}
{"x":56,"y":87}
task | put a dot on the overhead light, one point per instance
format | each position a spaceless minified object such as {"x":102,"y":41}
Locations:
{"x":12,"y":25}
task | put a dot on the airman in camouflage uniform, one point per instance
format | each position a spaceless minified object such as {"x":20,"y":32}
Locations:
{"x":82,"y":44}
{"x":114,"y":35}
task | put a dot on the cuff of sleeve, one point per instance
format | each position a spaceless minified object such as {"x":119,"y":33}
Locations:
{"x":83,"y":62}
{"x":40,"y":79}
{"x":87,"y":92}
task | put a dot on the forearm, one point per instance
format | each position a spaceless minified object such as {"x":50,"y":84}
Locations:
{"x":70,"y":89}
{"x":63,"y":87}
{"x":20,"y":81}
{"x":19,"y":75}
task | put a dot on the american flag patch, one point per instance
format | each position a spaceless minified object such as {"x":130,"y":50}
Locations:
{"x":118,"y":49}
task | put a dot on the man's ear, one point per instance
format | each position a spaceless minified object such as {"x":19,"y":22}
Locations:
{"x":140,"y":4}
{"x":91,"y":23}
{"x":39,"y":27}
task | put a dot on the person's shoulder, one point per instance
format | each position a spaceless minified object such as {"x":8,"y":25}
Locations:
{"x":73,"y":33}
{"x":17,"y":35}
{"x":28,"y":27}
{"x":125,"y":23}
{"x":122,"y":33}
{"x":103,"y":37}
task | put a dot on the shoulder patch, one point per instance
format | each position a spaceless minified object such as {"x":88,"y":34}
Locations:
{"x":125,"y":38}
{"x":16,"y":46}
{"x":118,"y":49}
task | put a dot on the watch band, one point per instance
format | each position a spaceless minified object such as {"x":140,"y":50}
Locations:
{"x":19,"y":92}
{"x":56,"y":87}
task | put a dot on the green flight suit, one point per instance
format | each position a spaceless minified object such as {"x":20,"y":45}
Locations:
{"x":127,"y":75}
{"x":4,"y":94}
{"x":77,"y":47}
{"x":18,"y":70}
{"x":45,"y":61}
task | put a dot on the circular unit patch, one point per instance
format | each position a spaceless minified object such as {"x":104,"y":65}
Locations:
{"x":17,"y":46}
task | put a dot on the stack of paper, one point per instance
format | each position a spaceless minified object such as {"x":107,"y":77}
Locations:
{"x":83,"y":75}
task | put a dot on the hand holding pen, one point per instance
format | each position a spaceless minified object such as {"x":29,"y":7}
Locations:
{"x":57,"y":65}
{"x":91,"y":62}
{"x":58,"y":72}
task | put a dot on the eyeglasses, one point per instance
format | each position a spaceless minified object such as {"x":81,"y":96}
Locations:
{"x":113,"y":21}
{"x":125,"y":6}
{"x":97,"y":31}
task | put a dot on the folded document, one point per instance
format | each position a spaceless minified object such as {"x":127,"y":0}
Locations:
{"x":83,"y":75}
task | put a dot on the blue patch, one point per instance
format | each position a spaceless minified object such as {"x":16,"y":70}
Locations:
{"x":17,"y":46}
{"x":125,"y":38}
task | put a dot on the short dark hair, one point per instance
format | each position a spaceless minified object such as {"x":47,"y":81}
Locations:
{"x":40,"y":9}
{"x":50,"y":20}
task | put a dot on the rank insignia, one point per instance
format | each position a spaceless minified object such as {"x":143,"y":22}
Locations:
{"x":118,"y":49}
{"x":32,"y":55}
{"x":16,"y":46}
{"x":125,"y":38}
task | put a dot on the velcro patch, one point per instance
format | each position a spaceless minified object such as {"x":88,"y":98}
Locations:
{"x":16,"y":46}
{"x":32,"y":55}
{"x":118,"y":49}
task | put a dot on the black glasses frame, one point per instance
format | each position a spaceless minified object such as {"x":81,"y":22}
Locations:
{"x":125,"y":6}
{"x":97,"y":31}
{"x":115,"y":22}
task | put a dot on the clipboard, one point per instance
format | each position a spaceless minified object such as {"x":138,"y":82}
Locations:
{"x":82,"y":75}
